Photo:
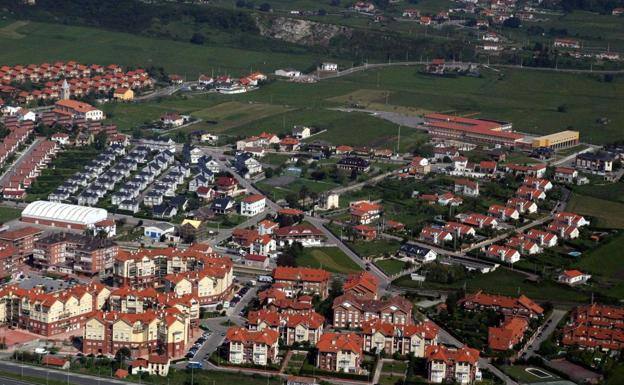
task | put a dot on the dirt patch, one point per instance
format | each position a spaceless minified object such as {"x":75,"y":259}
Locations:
{"x":15,"y":337}
{"x":10,"y":31}
{"x":280,"y":181}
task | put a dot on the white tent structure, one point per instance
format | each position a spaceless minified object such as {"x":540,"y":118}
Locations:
{"x":63,"y":215}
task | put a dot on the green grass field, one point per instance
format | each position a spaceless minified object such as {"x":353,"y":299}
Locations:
{"x":528,"y":98}
{"x":8,"y":214}
{"x":606,"y":214}
{"x":328,"y":258}
{"x":609,"y":191}
{"x":90,"y":45}
{"x":605,"y":260}
{"x":505,"y":282}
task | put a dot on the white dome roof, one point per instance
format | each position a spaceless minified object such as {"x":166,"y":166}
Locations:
{"x":63,"y":212}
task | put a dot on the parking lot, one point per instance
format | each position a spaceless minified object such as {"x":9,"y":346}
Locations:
{"x":216,"y":328}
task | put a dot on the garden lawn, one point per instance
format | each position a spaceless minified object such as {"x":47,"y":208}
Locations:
{"x":375,"y":248}
{"x":328,"y":258}
{"x":394,"y":367}
{"x":391,"y":266}
{"x":8,"y":214}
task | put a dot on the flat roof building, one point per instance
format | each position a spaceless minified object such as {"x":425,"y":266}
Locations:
{"x":558,"y":140}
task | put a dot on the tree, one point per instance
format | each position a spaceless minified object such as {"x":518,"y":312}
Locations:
{"x":198,"y":38}
{"x":123,"y":354}
{"x":100,"y":141}
{"x":512,"y":22}
{"x":268,"y":173}
{"x":322,"y":12}
{"x":265,"y":7}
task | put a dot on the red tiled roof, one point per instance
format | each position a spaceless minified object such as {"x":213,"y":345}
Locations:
{"x":283,"y":273}
{"x":335,"y":342}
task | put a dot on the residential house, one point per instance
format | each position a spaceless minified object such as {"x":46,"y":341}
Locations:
{"x":505,"y":254}
{"x":252,"y":205}
{"x":601,"y":162}
{"x":573,"y":277}
{"x":353,"y":164}
{"x":306,"y":235}
{"x":435,"y":235}
{"x":365,"y":212}
{"x":416,"y":253}
{"x":504,"y":213}
{"x":542,"y":238}
{"x":565,"y":175}
{"x":466,"y":187}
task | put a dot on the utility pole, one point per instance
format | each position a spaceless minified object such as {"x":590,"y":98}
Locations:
{"x":398,"y":139}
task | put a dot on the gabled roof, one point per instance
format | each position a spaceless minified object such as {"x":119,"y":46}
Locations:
{"x":335,"y":342}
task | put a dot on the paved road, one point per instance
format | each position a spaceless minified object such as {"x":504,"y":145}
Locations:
{"x":370,"y":66}
{"x":52,"y":374}
{"x":7,"y":174}
{"x":163,"y":92}
{"x":551,"y":324}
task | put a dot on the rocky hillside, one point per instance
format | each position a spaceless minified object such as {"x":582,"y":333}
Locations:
{"x":305,"y":32}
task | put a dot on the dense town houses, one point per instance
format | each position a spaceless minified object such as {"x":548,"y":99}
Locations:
{"x":252,"y":347}
{"x":402,"y":339}
{"x":62,"y":80}
{"x":23,"y":241}
{"x":302,"y":280}
{"x":340,"y":352}
{"x":351,"y":311}
{"x":362,"y":284}
{"x":509,"y":306}
{"x":459,"y":365}
{"x":165,"y":333}
{"x":595,"y":327}
{"x":195,"y":270}
{"x":50,"y":313}
{"x":293,"y":328}
{"x":70,"y":252}
{"x":508,"y":334}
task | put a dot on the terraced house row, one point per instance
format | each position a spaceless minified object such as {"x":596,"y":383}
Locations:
{"x":196,"y":270}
